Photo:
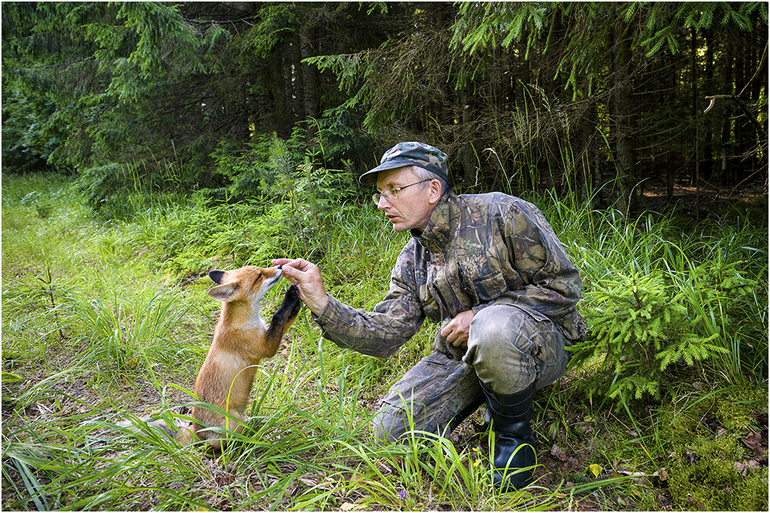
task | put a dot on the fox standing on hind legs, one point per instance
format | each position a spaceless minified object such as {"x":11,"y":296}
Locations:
{"x":241,"y":340}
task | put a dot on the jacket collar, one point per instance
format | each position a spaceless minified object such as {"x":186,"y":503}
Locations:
{"x":440,"y":229}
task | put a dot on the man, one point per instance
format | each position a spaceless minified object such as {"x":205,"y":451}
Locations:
{"x":492,"y":271}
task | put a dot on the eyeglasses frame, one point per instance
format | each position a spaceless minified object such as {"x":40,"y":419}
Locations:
{"x":392,"y":193}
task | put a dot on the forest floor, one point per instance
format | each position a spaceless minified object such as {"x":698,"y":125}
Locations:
{"x":561,"y":466}
{"x":565,"y":465}
{"x":694,"y":203}
{"x":577,"y":445}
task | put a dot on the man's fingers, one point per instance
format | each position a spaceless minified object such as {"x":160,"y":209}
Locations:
{"x":456,"y":332}
{"x":292,"y":270}
{"x":456,"y":338}
{"x":307,"y":277}
{"x":289,"y":272}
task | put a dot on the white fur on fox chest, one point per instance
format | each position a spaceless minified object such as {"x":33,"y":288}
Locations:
{"x":234,"y":362}
{"x":241,"y":339}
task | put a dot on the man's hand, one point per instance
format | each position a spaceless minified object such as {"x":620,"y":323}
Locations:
{"x":307,"y":277}
{"x":456,"y":332}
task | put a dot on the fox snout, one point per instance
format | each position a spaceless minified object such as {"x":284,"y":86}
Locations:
{"x":217,"y":275}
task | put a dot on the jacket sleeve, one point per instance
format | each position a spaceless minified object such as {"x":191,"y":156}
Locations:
{"x":382,"y":331}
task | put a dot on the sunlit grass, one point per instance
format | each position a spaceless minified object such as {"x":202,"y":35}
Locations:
{"x":107,"y":319}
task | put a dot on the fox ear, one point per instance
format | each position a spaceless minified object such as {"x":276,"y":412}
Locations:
{"x":223,"y":292}
{"x":216,"y":276}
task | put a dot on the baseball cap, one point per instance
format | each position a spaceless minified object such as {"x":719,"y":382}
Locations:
{"x":410,"y":154}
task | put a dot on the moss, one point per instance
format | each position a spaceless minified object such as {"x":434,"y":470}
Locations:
{"x":751,"y":495}
{"x":736,"y":411}
{"x":682,"y":424}
{"x":702,"y":477}
{"x":701,"y":465}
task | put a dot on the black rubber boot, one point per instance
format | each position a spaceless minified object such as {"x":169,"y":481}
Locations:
{"x":515,"y":455}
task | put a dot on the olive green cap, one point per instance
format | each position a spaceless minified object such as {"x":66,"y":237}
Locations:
{"x":410,"y":154}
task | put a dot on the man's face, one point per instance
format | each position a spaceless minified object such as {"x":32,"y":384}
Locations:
{"x":413,"y":206}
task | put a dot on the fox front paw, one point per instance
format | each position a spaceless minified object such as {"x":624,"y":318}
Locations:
{"x":291,"y":301}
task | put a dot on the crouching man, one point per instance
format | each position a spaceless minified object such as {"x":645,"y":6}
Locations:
{"x":492,"y":271}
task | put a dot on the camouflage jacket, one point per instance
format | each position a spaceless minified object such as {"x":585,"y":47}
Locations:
{"x":477,"y":250}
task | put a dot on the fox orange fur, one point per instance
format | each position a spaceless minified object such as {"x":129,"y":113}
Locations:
{"x":241,"y":340}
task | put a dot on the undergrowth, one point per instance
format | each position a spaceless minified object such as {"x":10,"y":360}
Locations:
{"x":105,"y":318}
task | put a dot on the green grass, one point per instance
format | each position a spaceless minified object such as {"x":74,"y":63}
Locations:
{"x":105,"y":318}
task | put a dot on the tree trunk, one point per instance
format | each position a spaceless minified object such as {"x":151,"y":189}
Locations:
{"x":694,"y":65}
{"x":309,"y":82}
{"x":586,"y":161}
{"x":708,"y":136}
{"x":726,"y":109}
{"x":742,"y":137}
{"x":621,"y":112}
{"x":469,"y":159}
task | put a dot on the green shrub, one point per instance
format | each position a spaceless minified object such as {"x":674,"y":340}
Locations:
{"x":252,"y":171}
{"x":658,"y":299}
{"x":639,"y":327}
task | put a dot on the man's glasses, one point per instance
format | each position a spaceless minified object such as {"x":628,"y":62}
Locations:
{"x":391,"y":194}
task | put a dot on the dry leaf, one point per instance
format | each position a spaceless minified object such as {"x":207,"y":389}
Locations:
{"x":559,"y":452}
{"x":743,"y":468}
{"x":224,"y":480}
{"x":754,"y":442}
{"x":308,"y":481}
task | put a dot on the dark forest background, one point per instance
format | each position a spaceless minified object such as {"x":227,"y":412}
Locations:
{"x":145,"y":144}
{"x":594,"y":100}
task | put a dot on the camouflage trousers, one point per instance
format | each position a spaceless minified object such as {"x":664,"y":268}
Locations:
{"x":509,"y":347}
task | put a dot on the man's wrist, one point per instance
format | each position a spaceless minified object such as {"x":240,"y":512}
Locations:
{"x":318,"y":307}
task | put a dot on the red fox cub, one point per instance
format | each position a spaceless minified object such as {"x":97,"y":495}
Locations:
{"x":241,"y":340}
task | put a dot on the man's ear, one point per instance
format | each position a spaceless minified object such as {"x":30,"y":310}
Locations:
{"x":434,"y":193}
{"x":223,"y":292}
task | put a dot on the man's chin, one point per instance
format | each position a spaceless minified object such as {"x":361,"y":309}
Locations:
{"x":400,"y":225}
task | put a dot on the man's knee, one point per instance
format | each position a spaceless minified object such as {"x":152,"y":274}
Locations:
{"x":500,"y":325}
{"x":510,"y":347}
{"x":486,"y":326}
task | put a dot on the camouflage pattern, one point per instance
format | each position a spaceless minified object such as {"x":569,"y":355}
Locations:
{"x":479,"y":252}
{"x":410,"y":154}
{"x":428,"y":398}
{"x":508,"y":349}
{"x":506,"y":338}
